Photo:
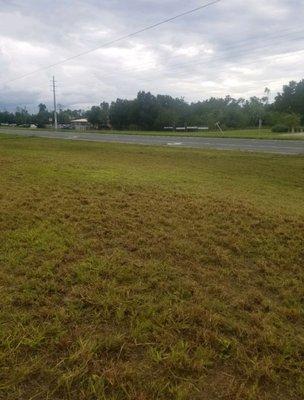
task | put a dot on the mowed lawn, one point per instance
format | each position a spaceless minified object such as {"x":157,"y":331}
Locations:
{"x":131,"y":272}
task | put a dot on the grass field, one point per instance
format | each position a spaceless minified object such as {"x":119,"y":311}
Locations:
{"x":239,"y":134}
{"x":149,"y":273}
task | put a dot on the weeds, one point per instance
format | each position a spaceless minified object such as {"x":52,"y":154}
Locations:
{"x":146,"y":273}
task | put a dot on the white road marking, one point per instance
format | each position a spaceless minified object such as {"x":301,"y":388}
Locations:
{"x":253,"y":145}
{"x":174,"y":144}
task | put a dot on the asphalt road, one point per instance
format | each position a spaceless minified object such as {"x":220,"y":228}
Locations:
{"x":254,"y":145}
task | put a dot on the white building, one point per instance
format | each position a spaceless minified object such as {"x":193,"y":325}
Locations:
{"x":81,"y":124}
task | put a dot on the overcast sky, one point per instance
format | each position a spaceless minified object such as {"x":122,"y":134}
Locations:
{"x":235,"y":47}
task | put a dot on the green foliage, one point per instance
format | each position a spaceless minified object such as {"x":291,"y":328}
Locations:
{"x":65,"y":116}
{"x":98,"y":116}
{"x":280,"y":128}
{"x":43,"y":116}
{"x":291,"y":120}
{"x":121,"y":114}
{"x":291,"y":100}
{"x":149,"y":112}
{"x":286,"y":122}
{"x":22,"y":117}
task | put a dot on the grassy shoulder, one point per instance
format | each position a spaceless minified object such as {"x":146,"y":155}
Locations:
{"x":262,"y":134}
{"x":131,"y":272}
{"x":239,"y":134}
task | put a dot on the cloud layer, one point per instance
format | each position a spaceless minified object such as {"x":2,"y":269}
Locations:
{"x":234,"y":47}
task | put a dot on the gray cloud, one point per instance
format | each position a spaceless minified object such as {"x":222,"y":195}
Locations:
{"x":234,"y":47}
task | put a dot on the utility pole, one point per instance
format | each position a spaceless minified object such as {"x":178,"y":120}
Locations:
{"x":55,"y":105}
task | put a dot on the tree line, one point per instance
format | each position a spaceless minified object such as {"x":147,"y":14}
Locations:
{"x":150,"y":112}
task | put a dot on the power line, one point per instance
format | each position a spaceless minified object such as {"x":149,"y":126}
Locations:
{"x":238,"y":46}
{"x":235,"y":46}
{"x":222,"y":69}
{"x":128,"y":36}
{"x":230,"y":50}
{"x":221,"y":58}
{"x":252,"y":51}
{"x":279,"y":57}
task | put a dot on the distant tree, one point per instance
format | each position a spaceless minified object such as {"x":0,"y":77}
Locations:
{"x":42,"y":108}
{"x":291,"y":100}
{"x":122,"y":114}
{"x":98,"y":116}
{"x":7,"y":117}
{"x":94,"y":116}
{"x":42,"y":118}
{"x":293,"y":121}
{"x":64,"y":116}
{"x":22,"y":116}
{"x":150,"y":112}
{"x":145,"y":111}
{"x":266,"y":97}
{"x":171,"y":112}
{"x":255,"y":110}
{"x":273,"y":118}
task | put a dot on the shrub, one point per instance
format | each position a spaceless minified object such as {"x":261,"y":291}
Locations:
{"x":280,"y":128}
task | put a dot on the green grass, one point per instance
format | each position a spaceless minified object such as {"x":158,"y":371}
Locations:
{"x":142,"y":273}
{"x":239,"y":134}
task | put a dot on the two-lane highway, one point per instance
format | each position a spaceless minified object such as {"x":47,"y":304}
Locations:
{"x":254,"y":145}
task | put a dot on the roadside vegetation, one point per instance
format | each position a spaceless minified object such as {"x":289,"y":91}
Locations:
{"x":131,"y":272}
{"x":148,"y":112}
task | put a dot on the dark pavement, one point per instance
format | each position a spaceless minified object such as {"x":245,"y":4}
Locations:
{"x":254,"y":145}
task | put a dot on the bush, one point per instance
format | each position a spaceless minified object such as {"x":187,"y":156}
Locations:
{"x":280,"y":128}
{"x":133,"y":127}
